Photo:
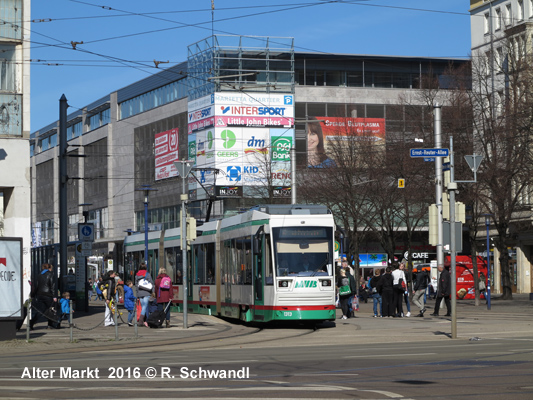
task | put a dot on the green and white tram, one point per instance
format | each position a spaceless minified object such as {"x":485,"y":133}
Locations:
{"x":273,"y":262}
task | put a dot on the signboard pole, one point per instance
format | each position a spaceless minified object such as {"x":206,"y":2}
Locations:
{"x":184,"y":167}
{"x":452,"y":186}
{"x":438,"y":184}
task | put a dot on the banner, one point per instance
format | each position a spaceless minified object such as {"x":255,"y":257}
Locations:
{"x":10,"y":277}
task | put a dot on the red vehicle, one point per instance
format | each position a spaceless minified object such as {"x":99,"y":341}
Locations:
{"x":465,"y":275}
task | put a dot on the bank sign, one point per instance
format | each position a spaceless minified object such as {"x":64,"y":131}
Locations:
{"x":10,"y":277}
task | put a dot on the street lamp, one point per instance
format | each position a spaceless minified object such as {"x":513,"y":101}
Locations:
{"x":487,"y":224}
{"x":146,"y":189}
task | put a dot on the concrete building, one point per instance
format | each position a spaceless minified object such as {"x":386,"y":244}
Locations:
{"x":117,"y":133}
{"x":15,"y":210}
{"x":502,"y":39}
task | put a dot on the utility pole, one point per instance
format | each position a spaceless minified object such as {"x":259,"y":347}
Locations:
{"x":184,"y":167}
{"x":452,"y":187}
{"x":293,"y":175}
{"x":63,"y":178}
{"x":438,"y":183}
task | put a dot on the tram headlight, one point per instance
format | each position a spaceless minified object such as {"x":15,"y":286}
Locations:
{"x":326,"y":282}
{"x":283,"y":284}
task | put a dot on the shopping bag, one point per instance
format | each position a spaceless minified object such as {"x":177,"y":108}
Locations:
{"x":355,"y":304}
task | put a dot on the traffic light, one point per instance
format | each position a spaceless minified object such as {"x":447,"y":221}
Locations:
{"x":191,"y":228}
{"x":401,"y":183}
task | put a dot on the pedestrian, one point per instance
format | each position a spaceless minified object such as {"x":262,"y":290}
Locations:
{"x":443,"y":291}
{"x":90,"y":287}
{"x":482,"y":285}
{"x":353,"y":289}
{"x":376,"y":297}
{"x":421,"y":285}
{"x":385,"y":289}
{"x":164,"y":293}
{"x":45,"y":291}
{"x":108,"y":287}
{"x":144,"y":284}
{"x":99,"y":293}
{"x":399,"y":285}
{"x":343,"y":285}
{"x":65,"y":305}
{"x":129,"y":301}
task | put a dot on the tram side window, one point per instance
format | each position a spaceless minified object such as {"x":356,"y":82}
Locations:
{"x":210,"y":263}
{"x":170,"y":262}
{"x":199,"y":253}
{"x":269,"y":276}
{"x":179,"y":267}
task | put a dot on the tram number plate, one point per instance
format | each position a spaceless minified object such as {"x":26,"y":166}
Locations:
{"x":287,"y":313}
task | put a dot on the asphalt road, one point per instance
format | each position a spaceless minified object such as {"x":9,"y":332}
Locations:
{"x":284,"y":363}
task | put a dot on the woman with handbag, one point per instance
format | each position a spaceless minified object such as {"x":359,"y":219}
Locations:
{"x":343,"y":285}
{"x":144,"y":284}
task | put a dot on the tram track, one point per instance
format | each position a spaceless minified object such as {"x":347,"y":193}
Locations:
{"x":223,"y":337}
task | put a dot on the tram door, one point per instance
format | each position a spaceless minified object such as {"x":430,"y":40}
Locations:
{"x":258,"y":271}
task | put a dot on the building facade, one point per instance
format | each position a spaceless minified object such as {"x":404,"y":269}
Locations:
{"x":15,"y":217}
{"x":215,"y":98}
{"x":502,"y":45}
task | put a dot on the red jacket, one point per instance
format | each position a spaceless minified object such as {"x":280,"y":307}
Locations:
{"x":163,"y":295}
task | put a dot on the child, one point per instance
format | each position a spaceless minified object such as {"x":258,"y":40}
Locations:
{"x":65,"y":306}
{"x":129,"y":301}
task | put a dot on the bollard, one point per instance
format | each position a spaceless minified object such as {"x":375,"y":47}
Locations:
{"x":136,"y":328}
{"x":115,"y":319}
{"x":70,"y":322}
{"x":28,"y":319}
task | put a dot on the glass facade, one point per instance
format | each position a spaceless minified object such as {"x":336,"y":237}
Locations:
{"x":74,"y":130}
{"x":154,"y":98}
{"x":99,"y":119}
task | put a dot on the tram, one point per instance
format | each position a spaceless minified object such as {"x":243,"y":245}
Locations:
{"x":273,"y":262}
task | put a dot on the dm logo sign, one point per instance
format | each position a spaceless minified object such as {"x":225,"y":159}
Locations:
{"x":229,"y":138}
{"x":281,"y":148}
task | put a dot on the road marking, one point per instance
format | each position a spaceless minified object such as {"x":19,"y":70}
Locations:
{"x":208,"y":362}
{"x":393,"y":355}
{"x":318,"y":388}
{"x":385,"y":393}
{"x":324,"y":373}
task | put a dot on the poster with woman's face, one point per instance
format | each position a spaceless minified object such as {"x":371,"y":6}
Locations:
{"x":322,"y":132}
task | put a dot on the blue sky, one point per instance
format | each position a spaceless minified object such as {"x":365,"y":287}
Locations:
{"x":120,"y":44}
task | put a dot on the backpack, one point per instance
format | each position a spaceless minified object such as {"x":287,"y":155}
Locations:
{"x":166,"y":283}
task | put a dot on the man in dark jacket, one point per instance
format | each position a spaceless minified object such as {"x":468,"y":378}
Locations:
{"x":421,"y":285}
{"x":109,"y":285}
{"x":44,"y":290}
{"x":443,"y":292}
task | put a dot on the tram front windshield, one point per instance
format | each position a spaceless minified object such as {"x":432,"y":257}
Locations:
{"x":303,"y":251}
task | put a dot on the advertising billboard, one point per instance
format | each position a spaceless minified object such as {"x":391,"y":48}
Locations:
{"x":10,"y":277}
{"x":245,"y":138}
{"x":166,"y":152}
{"x":324,"y":133}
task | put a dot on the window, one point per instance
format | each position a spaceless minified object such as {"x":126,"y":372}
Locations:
{"x":32,"y":149}
{"x":486,"y":24}
{"x":99,"y":119}
{"x":530,"y":8}
{"x":74,"y":130}
{"x":7,"y":69}
{"x":508,"y":14}
{"x":498,"y":20}
{"x":520,"y":10}
{"x":499,"y":59}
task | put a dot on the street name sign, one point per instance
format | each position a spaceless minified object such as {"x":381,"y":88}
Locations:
{"x":429,"y":152}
